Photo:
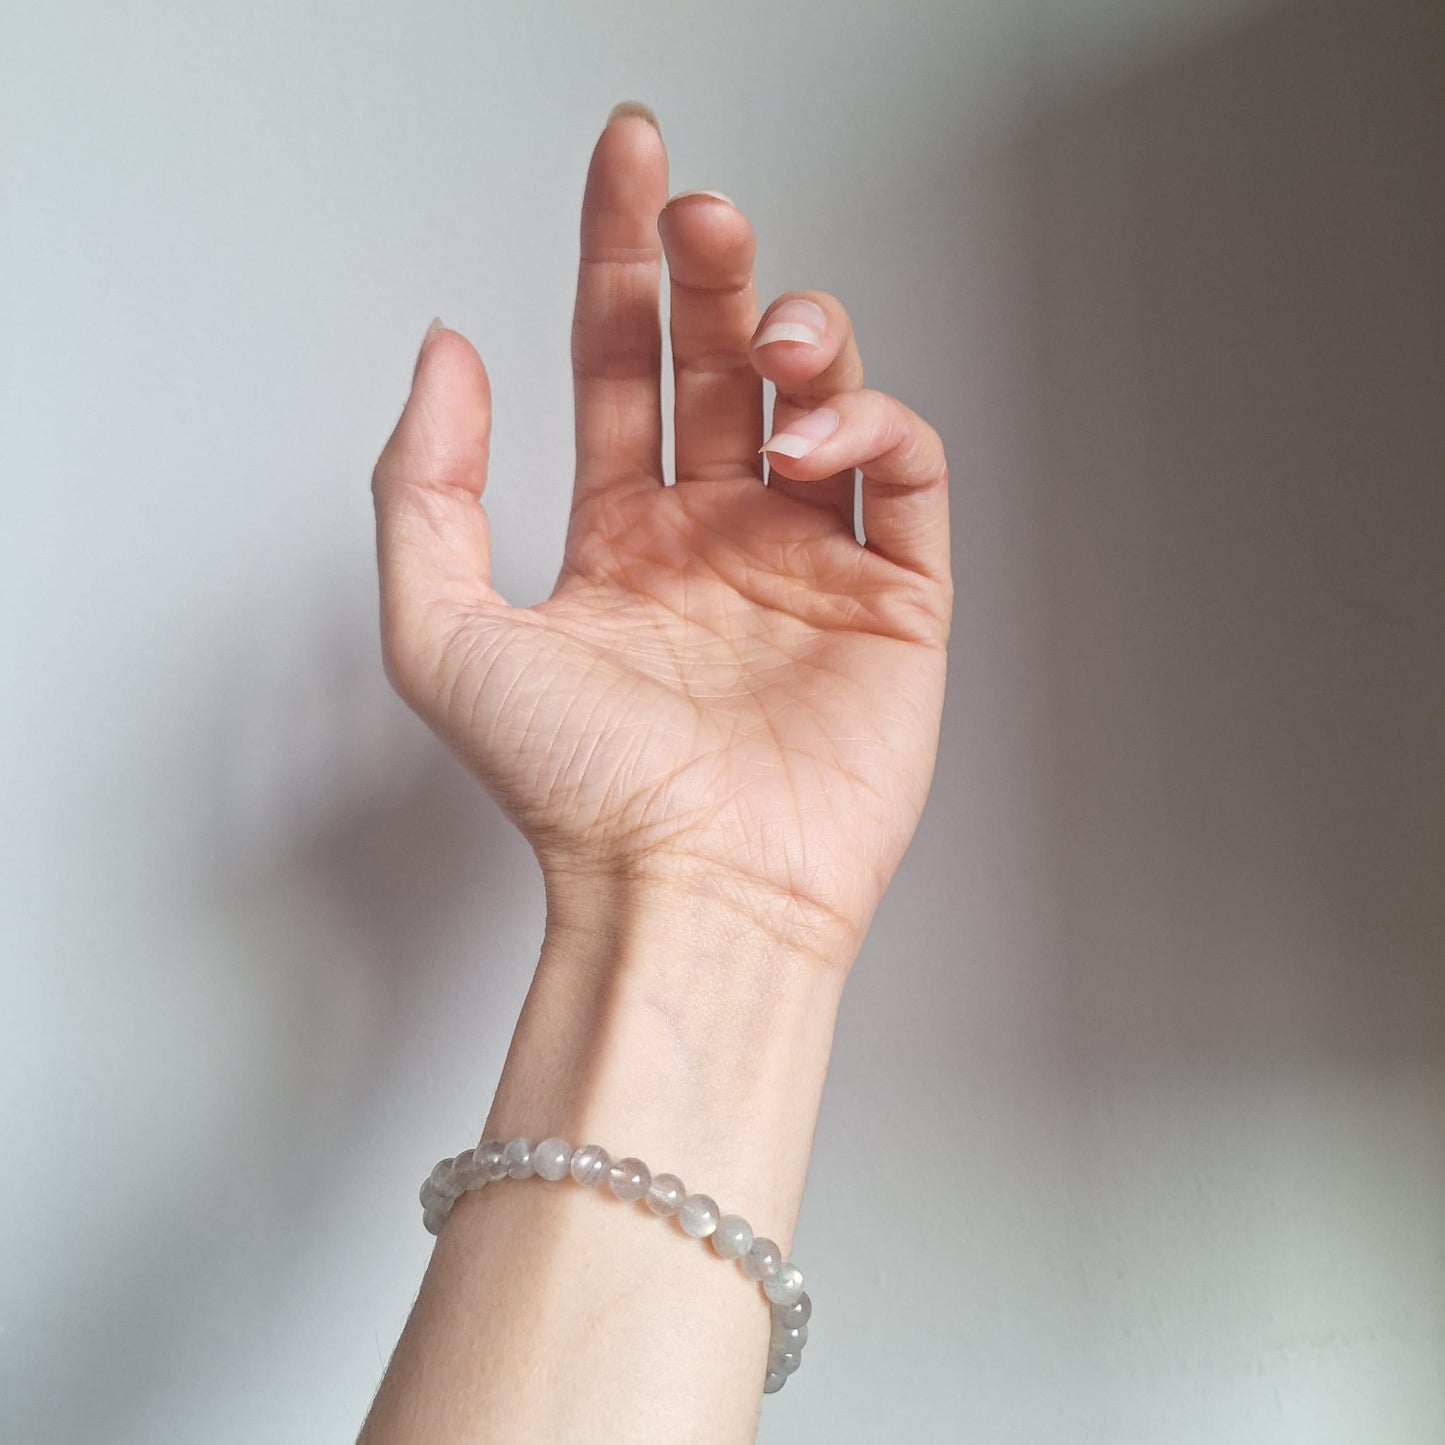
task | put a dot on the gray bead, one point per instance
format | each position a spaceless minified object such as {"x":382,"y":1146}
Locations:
{"x":466,"y":1171}
{"x":589,"y":1164}
{"x":784,"y":1338}
{"x":487,"y":1159}
{"x":665,"y":1194}
{"x":698,"y":1215}
{"x":517,"y":1156}
{"x":785,"y":1286}
{"x":795,"y":1314}
{"x":773,"y":1382}
{"x":762,"y":1261}
{"x":433,"y":1220}
{"x":443,"y":1181}
{"x":430,"y":1196}
{"x":552,"y":1158}
{"x":784,"y":1362}
{"x":629,"y":1178}
{"x":733,"y":1236}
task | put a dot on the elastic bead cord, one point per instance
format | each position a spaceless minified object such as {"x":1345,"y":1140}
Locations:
{"x":630,"y":1180}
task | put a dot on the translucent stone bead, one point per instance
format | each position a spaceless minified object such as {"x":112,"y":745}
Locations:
{"x":443,"y":1181}
{"x":698,"y":1215}
{"x":552,"y":1158}
{"x":430,"y":1196}
{"x":784,"y":1362}
{"x":487,"y":1159}
{"x":433,"y":1219}
{"x":629,"y":1178}
{"x":733,"y":1236}
{"x":795,"y":1314}
{"x":589,"y":1164}
{"x":517,"y":1156}
{"x":773,"y":1382}
{"x":465,"y":1171}
{"x":762,"y":1261}
{"x":785,"y":1286}
{"x":788,"y":1339}
{"x":665,"y":1194}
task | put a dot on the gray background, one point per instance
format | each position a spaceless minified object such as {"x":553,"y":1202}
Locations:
{"x":1136,"y":1127}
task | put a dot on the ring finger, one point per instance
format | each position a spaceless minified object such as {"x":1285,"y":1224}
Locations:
{"x":806,"y":348}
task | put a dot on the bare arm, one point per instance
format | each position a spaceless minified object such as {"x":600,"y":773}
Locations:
{"x":718,"y":735}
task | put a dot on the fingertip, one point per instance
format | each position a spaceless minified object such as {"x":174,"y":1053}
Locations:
{"x":442,"y":437}
{"x":804,"y":345}
{"x":629,"y":137}
{"x":447,"y":360}
{"x":626,"y":188}
{"x":797,"y":320}
{"x":713,"y":198}
{"x":708,"y":240}
{"x":633,"y":110}
{"x":804,"y":435}
{"x":433,"y":326}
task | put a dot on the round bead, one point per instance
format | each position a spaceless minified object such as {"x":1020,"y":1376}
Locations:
{"x":698,"y":1215}
{"x":433,"y":1219}
{"x":589,"y":1164}
{"x":733,"y":1236}
{"x":552,"y":1158}
{"x":788,"y":1339}
{"x":465,"y":1170}
{"x":773,"y":1382}
{"x":443,"y":1181}
{"x":785,"y":1286}
{"x":795,"y":1314}
{"x":784,"y":1362}
{"x":629,"y":1178}
{"x":430,"y":1196}
{"x":487,"y":1159}
{"x":665,"y":1194}
{"x":762,"y":1261}
{"x":517,"y":1156}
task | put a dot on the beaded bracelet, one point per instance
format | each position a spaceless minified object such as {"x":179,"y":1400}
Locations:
{"x":630,"y":1179}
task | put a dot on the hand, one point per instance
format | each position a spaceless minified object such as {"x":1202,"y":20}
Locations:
{"x":725,"y":692}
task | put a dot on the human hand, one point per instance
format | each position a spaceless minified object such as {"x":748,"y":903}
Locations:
{"x":726,"y":692}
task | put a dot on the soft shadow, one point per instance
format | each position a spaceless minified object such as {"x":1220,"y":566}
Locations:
{"x":344,"y":856}
{"x":1239,"y":355}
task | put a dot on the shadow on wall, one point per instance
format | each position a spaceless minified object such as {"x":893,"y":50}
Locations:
{"x":1239,"y":379}
{"x":1200,"y":1050}
{"x":344,"y":858}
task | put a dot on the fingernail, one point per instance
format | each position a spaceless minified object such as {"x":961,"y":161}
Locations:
{"x":798,"y":320}
{"x":716,"y":195}
{"x":625,"y":108}
{"x":803,"y":433}
{"x":433,"y":327}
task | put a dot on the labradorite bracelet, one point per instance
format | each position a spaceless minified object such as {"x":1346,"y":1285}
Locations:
{"x":630,"y":1179}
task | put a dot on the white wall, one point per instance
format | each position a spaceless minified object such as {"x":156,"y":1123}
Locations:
{"x":1136,"y":1130}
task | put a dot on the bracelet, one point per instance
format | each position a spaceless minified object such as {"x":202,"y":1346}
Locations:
{"x":630,"y":1179}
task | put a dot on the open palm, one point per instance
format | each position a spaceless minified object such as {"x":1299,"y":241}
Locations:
{"x":726,"y":686}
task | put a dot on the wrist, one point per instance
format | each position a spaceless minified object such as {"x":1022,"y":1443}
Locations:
{"x":671,"y":1022}
{"x":637,"y":906}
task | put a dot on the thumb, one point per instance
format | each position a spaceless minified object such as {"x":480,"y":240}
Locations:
{"x":432,"y":536}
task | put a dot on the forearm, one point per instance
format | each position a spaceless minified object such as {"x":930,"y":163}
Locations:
{"x":723,"y":677}
{"x":689,"y":1030}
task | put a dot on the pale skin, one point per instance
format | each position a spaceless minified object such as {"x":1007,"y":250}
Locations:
{"x":717,"y":734}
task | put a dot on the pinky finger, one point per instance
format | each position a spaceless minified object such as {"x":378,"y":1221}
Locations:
{"x":905,"y":473}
